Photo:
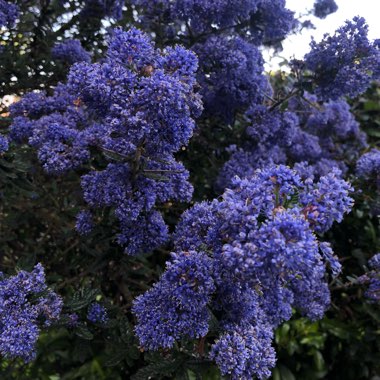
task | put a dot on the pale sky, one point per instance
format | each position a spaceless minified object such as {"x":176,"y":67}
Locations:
{"x":297,"y":45}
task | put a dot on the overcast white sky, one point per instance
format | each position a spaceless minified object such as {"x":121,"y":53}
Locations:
{"x":298,"y":45}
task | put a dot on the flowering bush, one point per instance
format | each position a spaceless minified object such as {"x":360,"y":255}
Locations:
{"x":196,"y":218}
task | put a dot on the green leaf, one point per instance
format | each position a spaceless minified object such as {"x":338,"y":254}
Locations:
{"x":286,"y":374}
{"x":371,"y":105}
{"x":27,"y":262}
{"x":125,"y":331}
{"x":319,"y":362}
{"x":156,"y":176}
{"x":83,"y":332}
{"x":158,"y":368}
{"x":116,"y":358}
{"x":336,"y":328}
{"x":276,"y":374}
{"x":82,"y":299}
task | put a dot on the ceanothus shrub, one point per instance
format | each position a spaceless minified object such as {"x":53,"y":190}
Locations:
{"x":252,"y":250}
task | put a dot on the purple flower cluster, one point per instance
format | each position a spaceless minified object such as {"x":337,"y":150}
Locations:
{"x":372,"y":279}
{"x":373,"y":291}
{"x":102,"y":8}
{"x":323,"y":8}
{"x":226,"y":35}
{"x":70,"y":52}
{"x":231,"y":75}
{"x":338,"y":132}
{"x":133,"y":111}
{"x":316,"y":132}
{"x":268,"y":127}
{"x":51,"y":125}
{"x":97,"y":313}
{"x":176,"y":306}
{"x":266,"y":19}
{"x":201,"y":15}
{"x":26,"y":306}
{"x":374,"y":262}
{"x":368,"y":167}
{"x":249,"y":258}
{"x":85,"y":222}
{"x":333,"y":201}
{"x":316,"y":137}
{"x":256,"y":355}
{"x":8,"y":13}
{"x":272,"y":22}
{"x":345,"y":63}
{"x":4,"y":144}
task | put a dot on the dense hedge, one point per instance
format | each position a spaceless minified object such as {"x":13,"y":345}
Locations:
{"x":169,"y":210}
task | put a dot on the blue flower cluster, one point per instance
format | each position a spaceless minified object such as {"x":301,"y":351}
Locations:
{"x":314,"y":131}
{"x":248,"y":259}
{"x":265,"y":19}
{"x":102,"y":8}
{"x":368,"y":167}
{"x":231,"y":75}
{"x":8,"y":13}
{"x":316,"y":137}
{"x":372,"y":279}
{"x":201,"y":15}
{"x":256,"y":354}
{"x":345,"y":63}
{"x":176,"y":306}
{"x":271,"y":23}
{"x":127,"y":115}
{"x":51,"y":124}
{"x":26,"y":306}
{"x":226,"y":35}
{"x":97,"y":313}
{"x":4,"y":144}
{"x":323,"y":8}
{"x":85,"y":222}
{"x":70,"y":52}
